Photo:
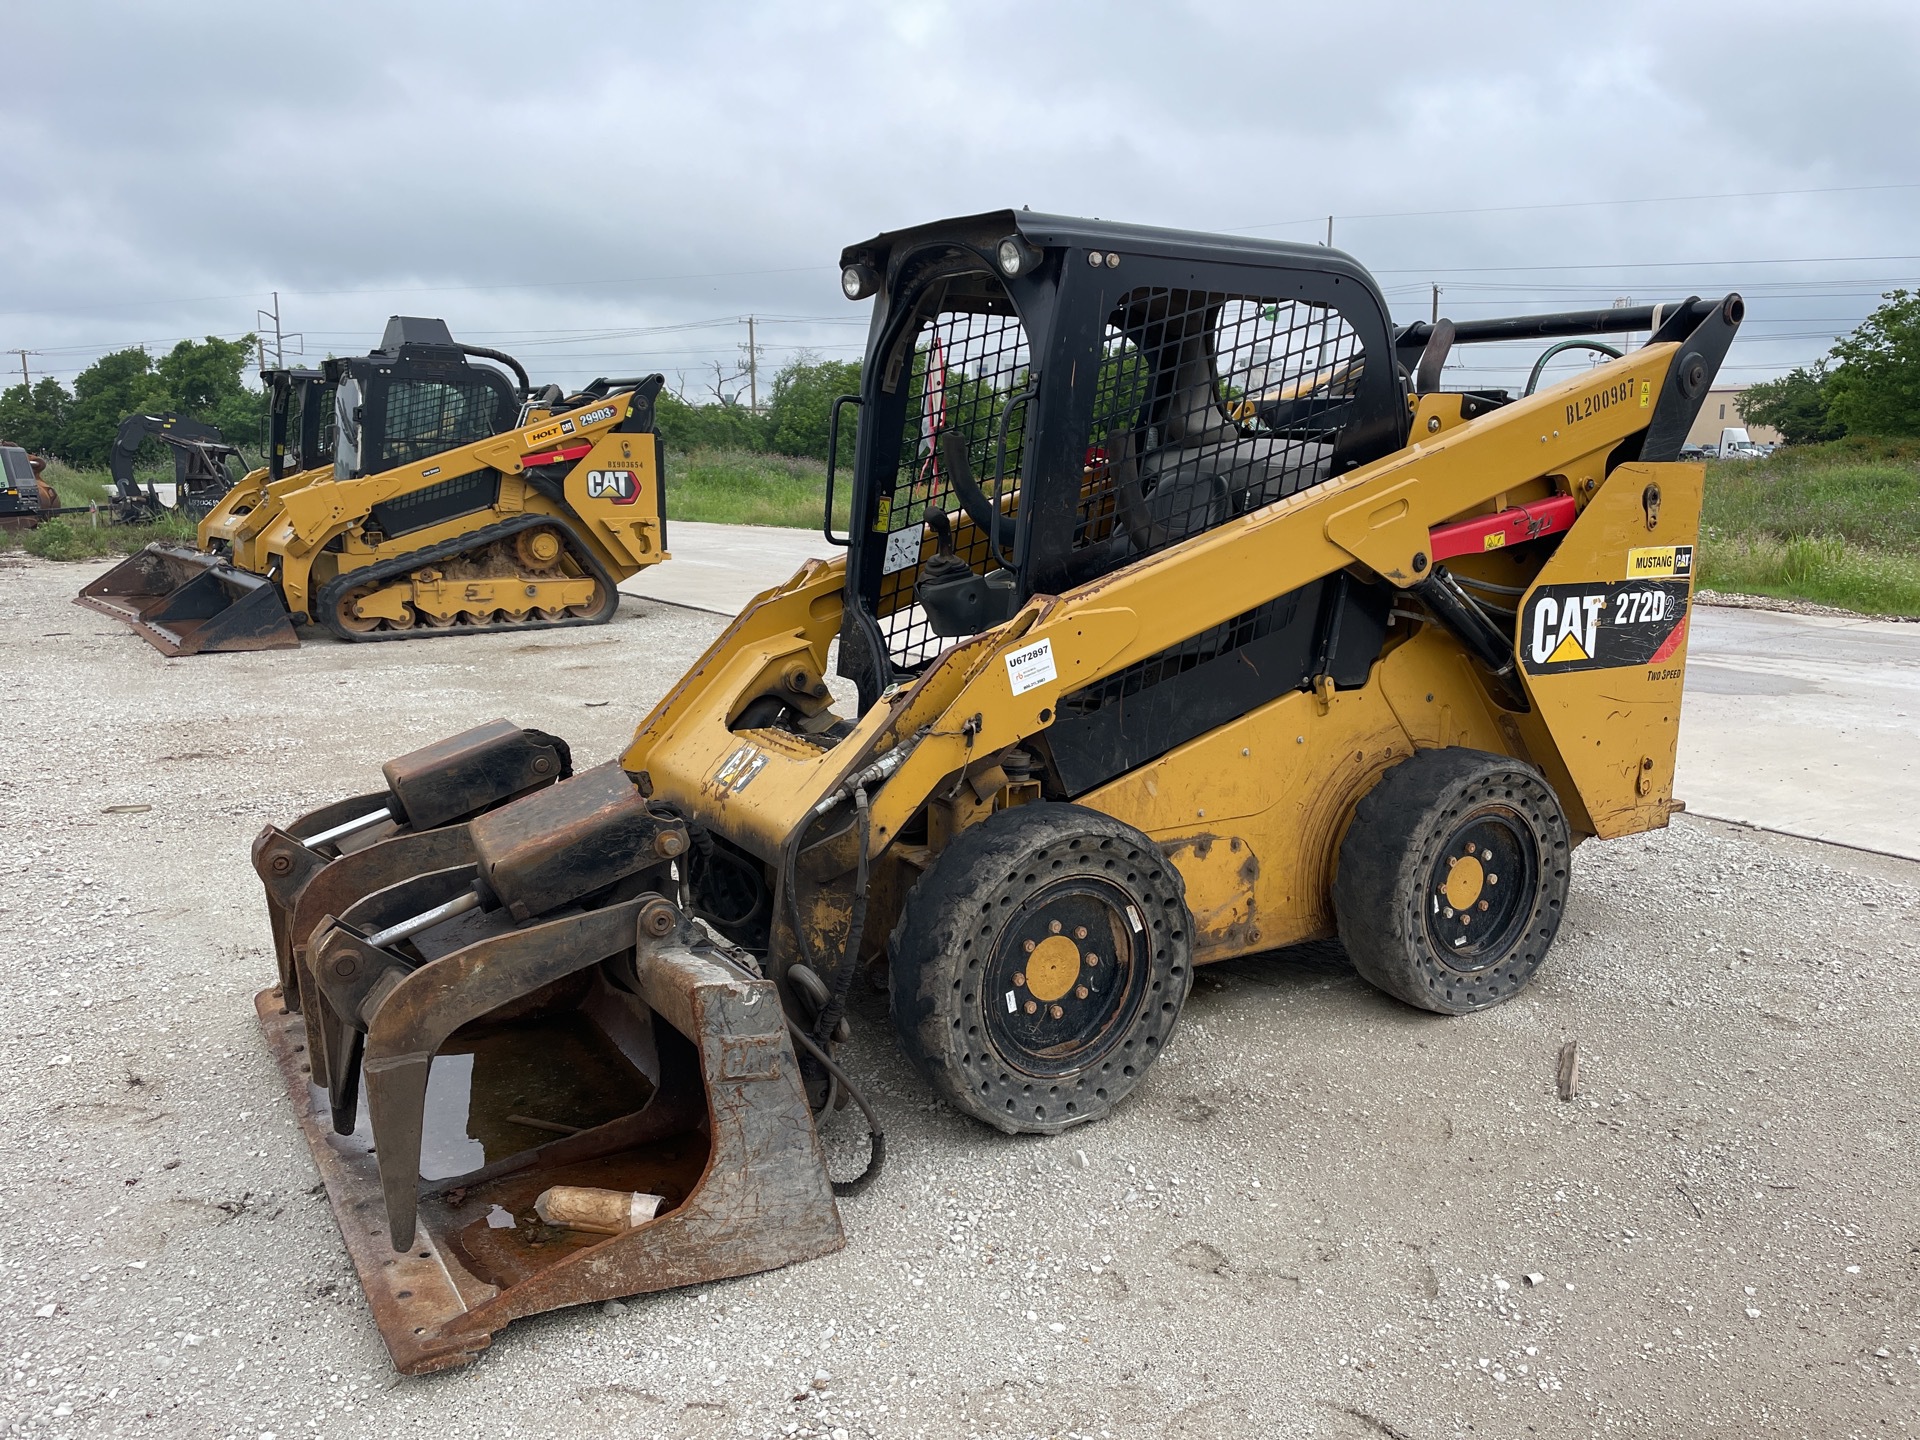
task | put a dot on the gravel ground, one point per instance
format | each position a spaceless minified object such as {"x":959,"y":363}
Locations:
{"x":1789,"y":607}
{"x":1323,"y":1215}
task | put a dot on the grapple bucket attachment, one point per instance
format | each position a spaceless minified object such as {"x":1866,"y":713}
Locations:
{"x":183,"y":601}
{"x":665,"y":1070}
{"x":321,"y":862}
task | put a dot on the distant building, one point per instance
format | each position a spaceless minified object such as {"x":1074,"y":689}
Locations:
{"x":1721,"y":413}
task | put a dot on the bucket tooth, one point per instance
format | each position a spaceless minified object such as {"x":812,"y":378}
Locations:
{"x":184,"y":601}
{"x":725,"y":1136}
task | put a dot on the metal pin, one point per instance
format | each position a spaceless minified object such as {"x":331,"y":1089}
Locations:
{"x":425,"y":920}
{"x":340,"y":832}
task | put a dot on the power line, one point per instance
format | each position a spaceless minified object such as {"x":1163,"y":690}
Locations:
{"x":1570,"y":205}
{"x":436,"y":289}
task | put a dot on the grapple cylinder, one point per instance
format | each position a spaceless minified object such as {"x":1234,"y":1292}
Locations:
{"x":312,"y":866}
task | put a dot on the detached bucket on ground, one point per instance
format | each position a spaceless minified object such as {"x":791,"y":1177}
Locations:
{"x":184,"y":601}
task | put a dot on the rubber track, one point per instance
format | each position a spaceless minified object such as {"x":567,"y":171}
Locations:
{"x":400,"y":565}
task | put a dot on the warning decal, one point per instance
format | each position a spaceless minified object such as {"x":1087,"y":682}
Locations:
{"x":1601,"y":626}
{"x":738,"y":769}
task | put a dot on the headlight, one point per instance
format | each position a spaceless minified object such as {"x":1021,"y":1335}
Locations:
{"x":858,"y":281}
{"x":1016,"y":257}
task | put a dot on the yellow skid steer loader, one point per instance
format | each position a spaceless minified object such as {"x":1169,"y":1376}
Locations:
{"x":1189,"y":618}
{"x":451,"y":498}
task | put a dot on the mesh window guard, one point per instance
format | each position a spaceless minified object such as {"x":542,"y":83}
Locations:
{"x":1208,"y":405}
{"x":968,"y":367}
{"x":425,"y":417}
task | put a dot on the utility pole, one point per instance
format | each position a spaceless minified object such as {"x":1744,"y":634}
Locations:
{"x":25,"y":378}
{"x":753,"y":369}
{"x":1329,"y":232}
{"x":1436,"y":305}
{"x":279,"y":339}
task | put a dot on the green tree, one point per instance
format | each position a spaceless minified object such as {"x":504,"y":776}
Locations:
{"x":202,"y":379}
{"x":104,"y":394}
{"x":1796,"y":404}
{"x":803,"y":396}
{"x":35,"y":418}
{"x":1874,"y":389}
{"x":725,"y":425}
{"x":205,"y":379}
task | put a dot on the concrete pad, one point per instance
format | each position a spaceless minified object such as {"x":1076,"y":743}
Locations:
{"x":721,"y":567}
{"x":1804,"y":723}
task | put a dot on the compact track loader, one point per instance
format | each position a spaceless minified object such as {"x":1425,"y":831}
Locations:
{"x":452,"y":498}
{"x":1189,"y":618}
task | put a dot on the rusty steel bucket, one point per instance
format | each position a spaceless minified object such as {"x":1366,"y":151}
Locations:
{"x":184,"y":601}
{"x":710,"y":1116}
{"x":524,"y":1011}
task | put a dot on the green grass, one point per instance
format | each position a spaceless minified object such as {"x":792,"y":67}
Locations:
{"x":84,"y":487}
{"x":72,"y":537}
{"x":743,"y":487}
{"x":1838,"y":524}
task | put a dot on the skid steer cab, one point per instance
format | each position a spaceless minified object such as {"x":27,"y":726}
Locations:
{"x":1186,"y":616}
{"x":423,"y":489}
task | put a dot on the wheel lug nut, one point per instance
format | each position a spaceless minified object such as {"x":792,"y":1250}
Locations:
{"x":1056,"y":1012}
{"x":1053,"y":926}
{"x":1092,"y":960}
{"x":1020,"y":978}
{"x":1079,"y":992}
{"x":1483,"y":904}
{"x":1079,"y":932}
{"x":1492,"y":879}
{"x":1027,"y":945}
{"x":1031,"y":1007}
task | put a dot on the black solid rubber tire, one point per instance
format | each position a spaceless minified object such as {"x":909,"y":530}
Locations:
{"x":1389,"y":853}
{"x":944,"y":947}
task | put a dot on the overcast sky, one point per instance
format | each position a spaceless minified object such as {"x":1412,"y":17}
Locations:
{"x":606,"y":189}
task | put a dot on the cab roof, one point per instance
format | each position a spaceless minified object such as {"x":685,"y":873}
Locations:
{"x":984,"y":231}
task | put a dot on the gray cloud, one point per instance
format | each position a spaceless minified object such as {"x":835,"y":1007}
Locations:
{"x":542,"y":176}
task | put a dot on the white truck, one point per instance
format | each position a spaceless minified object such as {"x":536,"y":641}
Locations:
{"x":1736,"y":444}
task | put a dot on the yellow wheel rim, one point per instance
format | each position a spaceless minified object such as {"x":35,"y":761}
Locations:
{"x":1465,"y":880}
{"x":1052,"y":968}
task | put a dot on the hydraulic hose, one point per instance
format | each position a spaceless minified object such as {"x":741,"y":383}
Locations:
{"x":526,"y":385}
{"x":877,"y":1159}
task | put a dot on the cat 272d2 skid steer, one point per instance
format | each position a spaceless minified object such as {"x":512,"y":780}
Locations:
{"x":438,"y":496}
{"x":1189,"y":618}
